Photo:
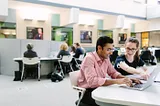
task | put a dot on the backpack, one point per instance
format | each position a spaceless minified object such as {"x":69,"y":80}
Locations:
{"x":56,"y":77}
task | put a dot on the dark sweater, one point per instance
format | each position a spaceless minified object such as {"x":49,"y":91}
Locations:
{"x":30,"y":54}
{"x":62,"y":53}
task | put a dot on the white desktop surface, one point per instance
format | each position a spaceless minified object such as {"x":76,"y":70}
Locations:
{"x":42,"y":58}
{"x":122,"y":96}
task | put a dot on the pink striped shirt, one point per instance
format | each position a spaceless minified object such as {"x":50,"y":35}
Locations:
{"x":93,"y":71}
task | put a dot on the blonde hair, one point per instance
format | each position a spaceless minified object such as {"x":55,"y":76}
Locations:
{"x":64,"y":46}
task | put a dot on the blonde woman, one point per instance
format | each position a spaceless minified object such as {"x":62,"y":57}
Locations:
{"x":63,"y":50}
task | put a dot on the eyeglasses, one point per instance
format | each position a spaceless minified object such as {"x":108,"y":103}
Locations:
{"x":131,"y":49}
{"x":110,"y":49}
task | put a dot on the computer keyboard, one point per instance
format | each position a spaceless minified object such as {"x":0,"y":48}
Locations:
{"x":138,"y":86}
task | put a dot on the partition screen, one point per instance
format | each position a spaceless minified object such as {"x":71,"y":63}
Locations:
{"x":86,"y":36}
{"x":122,"y":38}
{"x":34,"y":33}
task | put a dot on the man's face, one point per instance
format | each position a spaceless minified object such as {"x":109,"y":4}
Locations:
{"x":39,"y":30}
{"x":106,"y":51}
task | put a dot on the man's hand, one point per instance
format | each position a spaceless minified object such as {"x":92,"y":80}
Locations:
{"x":137,"y":81}
{"x":126,"y":81}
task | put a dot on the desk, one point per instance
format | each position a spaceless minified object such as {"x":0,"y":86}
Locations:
{"x":46,"y":64}
{"x":118,"y":96}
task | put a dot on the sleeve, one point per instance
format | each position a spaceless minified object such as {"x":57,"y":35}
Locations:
{"x":118,"y":60}
{"x":35,"y":55}
{"x":141,"y":62}
{"x":58,"y":56}
{"x":111,"y":70}
{"x":76,"y":53}
{"x":90,"y":73}
{"x":24,"y":54}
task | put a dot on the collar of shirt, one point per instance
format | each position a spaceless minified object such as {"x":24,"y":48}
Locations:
{"x":98,"y":59}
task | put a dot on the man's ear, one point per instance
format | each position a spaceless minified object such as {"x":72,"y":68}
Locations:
{"x":99,"y":48}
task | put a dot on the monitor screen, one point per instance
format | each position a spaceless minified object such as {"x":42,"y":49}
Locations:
{"x":34,"y":33}
{"x":122,"y":38}
{"x":86,"y":36}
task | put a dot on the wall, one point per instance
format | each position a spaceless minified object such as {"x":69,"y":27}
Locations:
{"x":154,"y":38}
{"x":23,"y":24}
{"x":142,"y":26}
{"x":154,"y":24}
{"x":149,"y":25}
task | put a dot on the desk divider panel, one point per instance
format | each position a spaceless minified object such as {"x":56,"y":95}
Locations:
{"x":42,"y":47}
{"x":55,"y":46}
{"x":13,"y":48}
{"x":9,"y":49}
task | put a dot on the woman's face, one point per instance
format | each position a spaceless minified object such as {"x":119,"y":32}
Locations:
{"x":131,"y":48}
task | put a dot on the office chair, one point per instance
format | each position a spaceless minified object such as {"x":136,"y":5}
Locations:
{"x":113,"y":56}
{"x":30,"y":62}
{"x":79,"y":60}
{"x":65,"y":59}
{"x":146,"y":56}
{"x":74,"y":78}
{"x":157,"y":55}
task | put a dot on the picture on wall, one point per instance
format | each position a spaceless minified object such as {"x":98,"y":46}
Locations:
{"x":34,"y":33}
{"x":86,"y":36}
{"x":122,"y":38}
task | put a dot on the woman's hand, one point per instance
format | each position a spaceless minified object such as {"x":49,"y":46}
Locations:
{"x":144,"y":75}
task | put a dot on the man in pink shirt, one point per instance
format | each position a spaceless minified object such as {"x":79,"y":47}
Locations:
{"x":95,"y":69}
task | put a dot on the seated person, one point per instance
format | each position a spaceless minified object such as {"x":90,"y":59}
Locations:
{"x":95,"y":66}
{"x":78,"y":51}
{"x":146,"y":55}
{"x":30,"y":53}
{"x":77,"y":54}
{"x":73,"y":50}
{"x":63,"y":50}
{"x":30,"y":70}
{"x":126,"y":64}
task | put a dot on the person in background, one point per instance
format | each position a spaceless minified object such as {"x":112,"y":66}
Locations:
{"x":153,"y":60}
{"x":126,"y":64}
{"x":31,"y":71}
{"x":94,"y":69}
{"x":73,"y":50}
{"x":79,"y":50}
{"x":63,"y":50}
{"x":30,"y":53}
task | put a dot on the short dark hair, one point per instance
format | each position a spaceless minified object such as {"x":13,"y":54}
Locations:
{"x":29,"y":46}
{"x":102,"y":41}
{"x":77,"y":44}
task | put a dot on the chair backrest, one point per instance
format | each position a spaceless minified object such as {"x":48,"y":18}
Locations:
{"x":67,"y":58}
{"x":81,"y":57}
{"x":31,"y":61}
{"x":114,"y":56}
{"x":146,"y":55}
{"x":157,"y":53}
{"x":74,"y":77}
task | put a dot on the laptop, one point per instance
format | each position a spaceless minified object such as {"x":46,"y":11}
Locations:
{"x":146,"y":84}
